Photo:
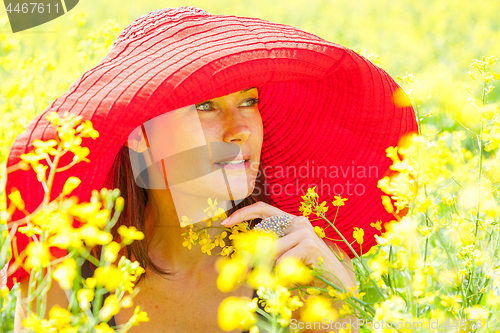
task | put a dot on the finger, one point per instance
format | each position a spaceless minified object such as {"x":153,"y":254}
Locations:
{"x":257,"y":210}
{"x":287,"y":242}
{"x":299,"y":252}
{"x":299,"y":223}
{"x":302,"y":243}
{"x":299,"y":229}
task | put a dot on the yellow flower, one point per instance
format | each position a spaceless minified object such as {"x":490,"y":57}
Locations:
{"x":30,"y":230}
{"x":110,"y":308}
{"x":231,"y":273}
{"x":15,"y":198}
{"x":60,"y":316}
{"x":379,"y":264}
{"x":111,"y":251}
{"x":317,"y":309}
{"x":100,"y":218}
{"x":119,"y":204}
{"x":424,"y":230}
{"x":332,"y":292}
{"x":37,"y":325}
{"x":345,"y":310}
{"x":260,"y":246}
{"x":339,"y":201}
{"x":319,"y":231}
{"x":322,"y":208}
{"x":293,"y":271}
{"x":313,"y":291}
{"x":261,"y":276}
{"x":40,"y":170}
{"x":81,"y":154}
{"x":419,"y":282}
{"x":103,"y":328}
{"x":358,"y":235}
{"x":87,"y":131}
{"x":185,"y":221}
{"x":237,"y":313}
{"x":70,"y":185}
{"x":386,"y":201}
{"x":93,"y":236}
{"x":377,"y":225}
{"x":111,"y":277}
{"x":226,"y":251}
{"x":85,"y":211}
{"x":219,"y":239}
{"x":187,"y":243}
{"x":207,"y":247}
{"x":278,"y":302}
{"x":45,"y":147}
{"x":477,"y":312}
{"x":426,"y":204}
{"x":90,"y":283}
{"x":311,"y":192}
{"x":64,"y":239}
{"x":219,"y":214}
{"x":138,"y":317}
{"x":85,"y":296}
{"x":212,"y":205}
{"x":65,"y":273}
{"x":32,"y":158}
{"x":385,"y":184}
{"x":129,"y":234}
{"x":38,"y":254}
{"x":53,"y":117}
{"x":66,"y":133}
{"x":254,"y":329}
{"x":306,"y":209}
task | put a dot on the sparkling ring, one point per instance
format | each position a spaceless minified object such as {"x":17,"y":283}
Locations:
{"x":274,"y":224}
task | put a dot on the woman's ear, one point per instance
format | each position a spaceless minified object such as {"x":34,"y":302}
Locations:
{"x":136,"y":140}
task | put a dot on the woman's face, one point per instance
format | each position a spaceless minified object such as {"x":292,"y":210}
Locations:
{"x":209,"y":150}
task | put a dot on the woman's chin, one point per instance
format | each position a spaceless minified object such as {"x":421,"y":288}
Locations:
{"x":237,"y":193}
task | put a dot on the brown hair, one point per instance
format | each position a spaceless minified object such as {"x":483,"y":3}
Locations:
{"x":133,"y":214}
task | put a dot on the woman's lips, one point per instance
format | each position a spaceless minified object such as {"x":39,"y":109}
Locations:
{"x":236,"y":164}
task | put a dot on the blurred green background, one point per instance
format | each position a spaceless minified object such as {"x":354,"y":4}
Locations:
{"x":435,"y":40}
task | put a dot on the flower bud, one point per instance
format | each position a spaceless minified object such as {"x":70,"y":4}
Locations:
{"x":119,"y":204}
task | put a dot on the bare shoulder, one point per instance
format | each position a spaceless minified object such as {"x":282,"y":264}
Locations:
{"x":55,"y":296}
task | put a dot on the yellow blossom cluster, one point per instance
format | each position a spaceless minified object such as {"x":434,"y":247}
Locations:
{"x":253,"y":262}
{"x":439,"y":260}
{"x":77,"y":228}
{"x":201,"y":233}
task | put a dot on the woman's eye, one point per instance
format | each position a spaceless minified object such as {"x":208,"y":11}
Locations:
{"x":205,"y":106}
{"x":250,"y":102}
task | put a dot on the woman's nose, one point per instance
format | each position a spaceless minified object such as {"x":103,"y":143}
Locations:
{"x":236,"y":127}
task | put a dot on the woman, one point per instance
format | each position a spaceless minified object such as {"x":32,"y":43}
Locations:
{"x":268,"y":97}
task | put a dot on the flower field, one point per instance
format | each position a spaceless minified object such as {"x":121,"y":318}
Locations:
{"x":434,"y":270}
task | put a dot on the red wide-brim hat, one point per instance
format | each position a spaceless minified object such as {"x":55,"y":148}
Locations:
{"x":328,"y":113}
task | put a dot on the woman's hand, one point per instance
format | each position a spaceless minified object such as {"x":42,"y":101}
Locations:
{"x":300,"y":241}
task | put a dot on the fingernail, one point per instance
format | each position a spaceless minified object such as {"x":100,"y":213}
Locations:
{"x":226,"y":221}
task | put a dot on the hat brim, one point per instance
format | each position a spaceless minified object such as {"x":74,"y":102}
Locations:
{"x":321,"y":104}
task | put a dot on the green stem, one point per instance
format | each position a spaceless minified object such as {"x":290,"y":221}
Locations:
{"x":389,"y":271}
{"x":31,"y":286}
{"x":73,"y":303}
{"x":355,"y":254}
{"x":480,"y":162}
{"x":52,"y":174}
{"x":366,"y":305}
{"x":488,"y":279}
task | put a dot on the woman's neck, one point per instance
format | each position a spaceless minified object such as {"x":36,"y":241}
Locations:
{"x":164,"y":234}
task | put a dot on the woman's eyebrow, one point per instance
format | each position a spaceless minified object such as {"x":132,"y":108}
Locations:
{"x":245,"y":90}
